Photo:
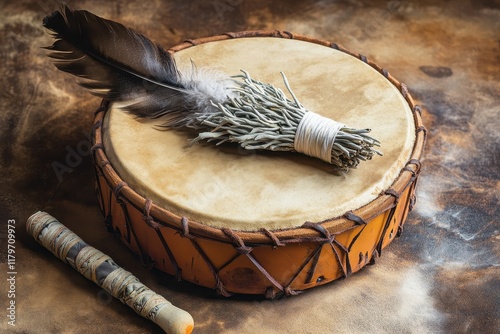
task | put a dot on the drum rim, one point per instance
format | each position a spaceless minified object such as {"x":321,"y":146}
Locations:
{"x":309,"y":230}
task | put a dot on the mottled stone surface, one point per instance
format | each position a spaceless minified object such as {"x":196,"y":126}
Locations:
{"x":442,"y":275}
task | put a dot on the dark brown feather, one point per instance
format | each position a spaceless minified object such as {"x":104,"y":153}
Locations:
{"x":114,"y":62}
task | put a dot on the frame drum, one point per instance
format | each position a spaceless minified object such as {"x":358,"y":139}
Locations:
{"x":267,"y":223}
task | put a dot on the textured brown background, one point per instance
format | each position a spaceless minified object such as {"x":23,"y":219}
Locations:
{"x":442,"y":275}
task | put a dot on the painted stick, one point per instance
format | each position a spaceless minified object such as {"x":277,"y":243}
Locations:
{"x":102,"y":270}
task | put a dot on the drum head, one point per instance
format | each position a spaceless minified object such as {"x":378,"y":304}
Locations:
{"x":227,"y":186}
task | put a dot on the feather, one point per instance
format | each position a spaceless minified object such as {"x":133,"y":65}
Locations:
{"x":119,"y":64}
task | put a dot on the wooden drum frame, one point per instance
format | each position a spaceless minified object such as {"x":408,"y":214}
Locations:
{"x":264,"y":262}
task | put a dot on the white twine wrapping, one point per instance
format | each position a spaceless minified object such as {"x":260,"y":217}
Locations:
{"x":315,"y":136}
{"x":90,"y":262}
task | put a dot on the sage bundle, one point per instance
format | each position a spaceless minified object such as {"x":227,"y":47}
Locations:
{"x":120,"y":65}
{"x":259,"y":116}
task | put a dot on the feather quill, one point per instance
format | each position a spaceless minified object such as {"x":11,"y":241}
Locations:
{"x":118,"y":64}
{"x":121,"y":65}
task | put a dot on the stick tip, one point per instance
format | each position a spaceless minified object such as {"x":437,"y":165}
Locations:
{"x":174,"y":320}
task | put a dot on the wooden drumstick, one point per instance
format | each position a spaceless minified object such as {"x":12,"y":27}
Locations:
{"x":102,"y":270}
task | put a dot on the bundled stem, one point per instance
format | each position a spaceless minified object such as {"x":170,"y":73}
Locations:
{"x":259,"y":116}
